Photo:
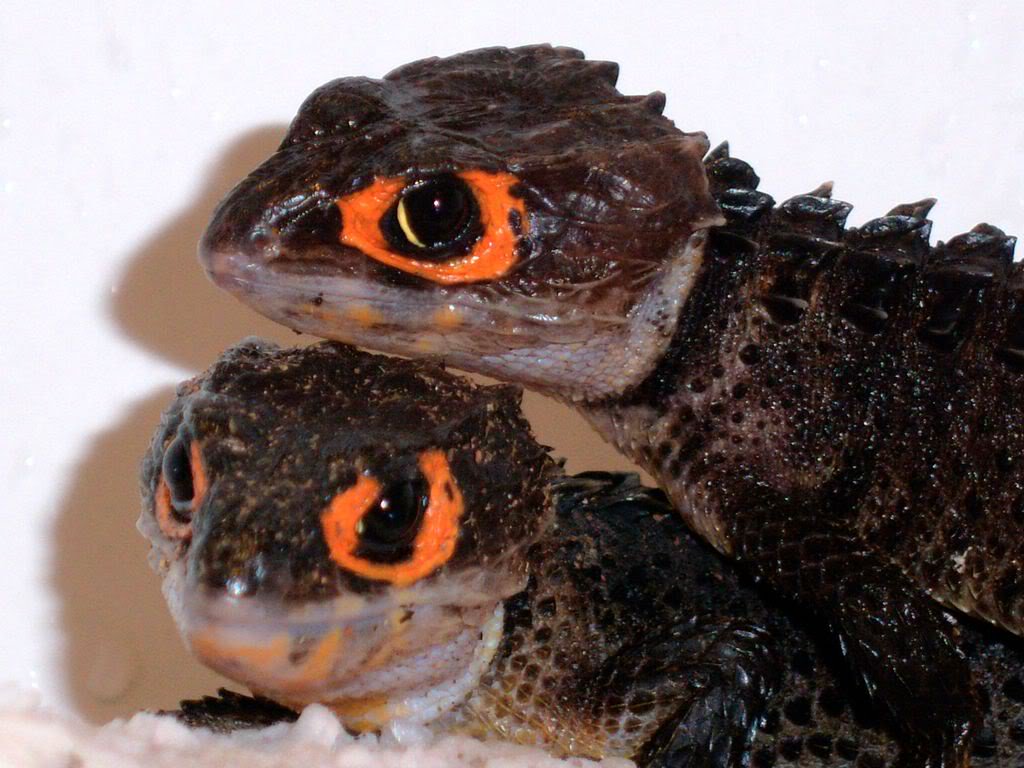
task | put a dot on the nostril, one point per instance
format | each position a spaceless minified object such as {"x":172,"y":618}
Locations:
{"x":237,"y":577}
{"x":260,"y":237}
{"x":240,"y":586}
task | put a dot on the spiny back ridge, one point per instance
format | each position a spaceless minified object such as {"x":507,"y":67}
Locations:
{"x":807,"y":233}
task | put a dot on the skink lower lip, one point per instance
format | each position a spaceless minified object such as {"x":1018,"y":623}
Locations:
{"x":349,"y":310}
{"x":376,"y":657}
{"x":306,"y":627}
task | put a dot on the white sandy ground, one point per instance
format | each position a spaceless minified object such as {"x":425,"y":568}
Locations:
{"x":32,"y":737}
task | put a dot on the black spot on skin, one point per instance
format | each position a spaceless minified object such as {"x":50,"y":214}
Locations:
{"x":673,"y":597}
{"x":791,"y":748}
{"x":784,"y":310}
{"x":832,"y":702}
{"x":1014,"y":689}
{"x":1016,"y":731}
{"x":847,"y":749}
{"x":820,"y":745}
{"x":985,"y":743}
{"x":870,"y":761}
{"x":866,"y":718}
{"x":1004,"y":460}
{"x":662,"y":561}
{"x":750,"y":354}
{"x":772,"y":722}
{"x":763,"y":758}
{"x":798,"y":711}
{"x":803,"y":663}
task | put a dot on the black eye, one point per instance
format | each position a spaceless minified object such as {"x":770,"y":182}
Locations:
{"x":177,"y":473}
{"x":387,"y":530}
{"x":433,"y":218}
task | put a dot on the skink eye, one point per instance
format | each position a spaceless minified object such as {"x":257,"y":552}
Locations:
{"x":180,"y":488}
{"x":450,"y":228}
{"x":388,"y":528}
{"x":433,"y":218}
{"x":399,"y":532}
{"x":177,"y":469}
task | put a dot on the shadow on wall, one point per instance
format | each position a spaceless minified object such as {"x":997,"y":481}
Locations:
{"x":122,"y":652}
{"x":165,"y":301}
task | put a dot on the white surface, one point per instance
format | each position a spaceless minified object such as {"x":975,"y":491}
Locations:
{"x":121,"y":124}
{"x":31,"y":738}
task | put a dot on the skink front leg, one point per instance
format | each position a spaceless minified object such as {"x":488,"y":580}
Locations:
{"x":896,"y":640}
{"x":714,"y":674}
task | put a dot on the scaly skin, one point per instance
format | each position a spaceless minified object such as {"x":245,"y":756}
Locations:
{"x":629,"y":638}
{"x":543,"y":625}
{"x":837,"y":409}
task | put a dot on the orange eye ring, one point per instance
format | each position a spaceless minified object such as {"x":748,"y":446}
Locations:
{"x":172,"y":526}
{"x":434,"y":543}
{"x":491,"y":256}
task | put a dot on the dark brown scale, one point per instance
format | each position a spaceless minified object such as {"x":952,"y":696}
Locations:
{"x":884,"y":368}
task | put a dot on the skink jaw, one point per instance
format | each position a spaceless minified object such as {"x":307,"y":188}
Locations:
{"x":564,"y":344}
{"x":372,"y":660}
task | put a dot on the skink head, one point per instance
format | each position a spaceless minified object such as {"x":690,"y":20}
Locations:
{"x":504,"y":209}
{"x":337,"y":526}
